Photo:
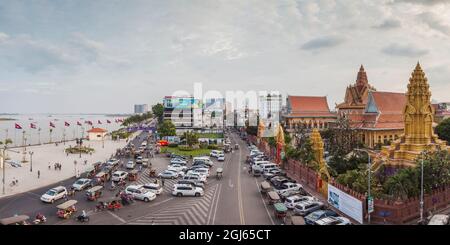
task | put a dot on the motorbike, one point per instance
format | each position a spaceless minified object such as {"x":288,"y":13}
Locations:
{"x":82,"y":218}
{"x":40,"y":219}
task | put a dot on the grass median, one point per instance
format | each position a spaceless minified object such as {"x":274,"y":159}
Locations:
{"x":194,"y":153}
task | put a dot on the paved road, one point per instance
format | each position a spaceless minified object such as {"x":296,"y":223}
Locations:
{"x":233,"y":200}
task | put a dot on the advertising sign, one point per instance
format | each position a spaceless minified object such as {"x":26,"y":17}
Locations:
{"x":345,"y":203}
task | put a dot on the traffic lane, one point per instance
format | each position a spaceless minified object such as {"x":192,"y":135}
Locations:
{"x":256,"y":212}
{"x":228,"y":202}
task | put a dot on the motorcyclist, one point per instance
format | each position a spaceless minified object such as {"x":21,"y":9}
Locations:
{"x":40,"y":217}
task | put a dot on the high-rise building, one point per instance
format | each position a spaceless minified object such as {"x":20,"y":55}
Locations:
{"x":185,"y":112}
{"x":140,"y":109}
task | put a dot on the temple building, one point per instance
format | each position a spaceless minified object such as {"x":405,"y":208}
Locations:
{"x":382,"y":120}
{"x":442,"y":111}
{"x":308,"y":111}
{"x":356,"y":96}
{"x":378,"y":116}
{"x":418,"y":116}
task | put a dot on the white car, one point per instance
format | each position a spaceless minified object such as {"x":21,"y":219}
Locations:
{"x":195,"y":177}
{"x":177,"y":167}
{"x":113,"y":162}
{"x":54,"y":194}
{"x":288,"y":186}
{"x":291,"y":201}
{"x":130,"y":165}
{"x":203,"y":171}
{"x":439,"y":219}
{"x":81,"y":184}
{"x":178,"y":161}
{"x":168,"y":174}
{"x":333,"y":221}
{"x":221,"y":157}
{"x":155,"y":188}
{"x":138,"y":192}
{"x":214,"y":153}
{"x":139,"y":160}
{"x":187,"y":190}
{"x":119,"y":176}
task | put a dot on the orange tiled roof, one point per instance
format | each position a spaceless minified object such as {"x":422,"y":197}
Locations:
{"x":389,"y":102}
{"x":97,"y":130}
{"x":309,"y":106}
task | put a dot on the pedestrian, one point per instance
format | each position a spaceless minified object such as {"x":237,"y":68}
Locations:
{"x":49,"y":166}
{"x":39,"y":174}
{"x":162,"y":182}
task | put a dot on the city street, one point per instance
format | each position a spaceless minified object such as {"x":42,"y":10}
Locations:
{"x":233,"y":200}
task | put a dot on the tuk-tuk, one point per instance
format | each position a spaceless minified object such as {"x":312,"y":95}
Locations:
{"x":273,"y":197}
{"x":97,"y":166}
{"x":65,"y":210}
{"x":280,"y":210}
{"x":265,"y":187}
{"x":110,"y":203}
{"x":90,"y":172}
{"x":133,"y":175}
{"x":296,"y":220}
{"x":93,"y":193}
{"x":219,"y":173}
{"x":15,"y":220}
{"x":102,"y":177}
{"x":227,"y":148}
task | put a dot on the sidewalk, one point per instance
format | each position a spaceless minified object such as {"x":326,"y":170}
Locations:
{"x":45,"y":155}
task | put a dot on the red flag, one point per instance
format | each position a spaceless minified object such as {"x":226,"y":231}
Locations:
{"x":33,"y":126}
{"x":66,"y":124}
{"x":89,"y":122}
{"x":99,"y":122}
{"x":108,"y":121}
{"x":52,"y":125}
{"x":17,"y":126}
{"x":78,"y":123}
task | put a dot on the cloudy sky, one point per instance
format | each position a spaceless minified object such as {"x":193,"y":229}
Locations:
{"x":106,"y":55}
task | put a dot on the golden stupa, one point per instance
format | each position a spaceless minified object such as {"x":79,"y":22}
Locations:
{"x":418,"y":117}
{"x":317,"y":147}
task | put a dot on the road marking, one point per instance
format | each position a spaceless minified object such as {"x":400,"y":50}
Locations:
{"x":217,"y":204}
{"x":230,"y":184}
{"x":241,"y":208}
{"x":158,"y":203}
{"x":264,"y":203}
{"x":33,"y":194}
{"x":212,"y":204}
{"x":117,"y":217}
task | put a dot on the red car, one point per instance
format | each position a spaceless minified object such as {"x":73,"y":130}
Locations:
{"x":163,"y":143}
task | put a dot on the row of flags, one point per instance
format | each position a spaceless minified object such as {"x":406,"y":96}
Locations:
{"x":66,"y":124}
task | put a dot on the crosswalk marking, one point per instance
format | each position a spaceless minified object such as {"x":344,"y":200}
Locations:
{"x":192,"y":211}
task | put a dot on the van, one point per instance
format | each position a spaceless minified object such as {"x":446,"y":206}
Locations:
{"x":266,"y":167}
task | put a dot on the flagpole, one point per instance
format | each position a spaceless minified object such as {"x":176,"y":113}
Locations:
{"x":39,"y":136}
{"x":64,"y":135}
{"x":15,"y":137}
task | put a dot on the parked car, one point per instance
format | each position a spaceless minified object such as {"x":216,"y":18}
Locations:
{"x":215,"y":153}
{"x":167,"y":174}
{"x":139,"y":160}
{"x":291,"y":201}
{"x":289,"y":193}
{"x":187,"y":190}
{"x":155,"y":188}
{"x":138,"y":192}
{"x":333,"y":221}
{"x":191,"y":182}
{"x":82,"y":184}
{"x":119,"y":176}
{"x":311,"y":218}
{"x":278,"y":181}
{"x":202,"y":160}
{"x":197,"y":166}
{"x":221,"y":157}
{"x":177,"y":167}
{"x":307,"y":207}
{"x":195,"y":177}
{"x":439,"y":219}
{"x":287,"y":187}
{"x":130,"y":165}
{"x":113,"y":162}
{"x":202,"y":171}
{"x":274,"y":172}
{"x":178,"y":161}
{"x":54,"y":194}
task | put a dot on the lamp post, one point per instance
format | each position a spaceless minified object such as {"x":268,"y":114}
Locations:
{"x":4,"y":166}
{"x":421,"y":190}
{"x":31,"y":161}
{"x":39,"y":136}
{"x":75,"y":167}
{"x":369,"y":198}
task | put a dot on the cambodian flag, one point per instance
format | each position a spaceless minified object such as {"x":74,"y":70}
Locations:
{"x":78,"y":123}
{"x":89,"y":122}
{"x":32,"y":125}
{"x":66,"y":124}
{"x":108,"y":121}
{"x":17,"y":126}
{"x":52,"y":125}
{"x":99,"y":122}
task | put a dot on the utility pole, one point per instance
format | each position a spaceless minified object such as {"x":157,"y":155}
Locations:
{"x":39,"y":136}
{"x":31,"y":161}
{"x":421,"y":191}
{"x":368,"y":188}
{"x":4,"y":167}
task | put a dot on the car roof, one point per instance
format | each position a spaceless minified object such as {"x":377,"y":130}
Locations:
{"x":182,"y":185}
{"x":134,"y":186}
{"x":119,"y":172}
{"x":58,"y":188}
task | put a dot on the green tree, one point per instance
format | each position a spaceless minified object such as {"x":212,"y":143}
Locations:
{"x":6,"y":142}
{"x":443,"y":130}
{"x":404,"y":184}
{"x":158,"y":111}
{"x":191,"y":138}
{"x":137,"y":118}
{"x":166,"y":128}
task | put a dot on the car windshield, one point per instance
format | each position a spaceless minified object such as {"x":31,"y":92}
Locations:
{"x":80,"y":182}
{"x":316,"y":216}
{"x":51,"y":192}
{"x":151,"y":187}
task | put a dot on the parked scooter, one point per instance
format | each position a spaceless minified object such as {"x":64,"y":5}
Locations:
{"x":40,"y":219}
{"x":83,"y":217}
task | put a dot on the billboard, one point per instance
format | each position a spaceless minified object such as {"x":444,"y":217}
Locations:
{"x":345,"y":203}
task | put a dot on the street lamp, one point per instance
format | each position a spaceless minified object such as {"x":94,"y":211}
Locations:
{"x":31,"y":161}
{"x":368,"y":183}
{"x":421,"y":190}
{"x":75,"y":167}
{"x":4,"y":164}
